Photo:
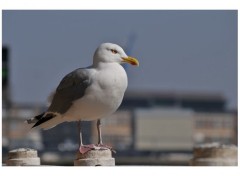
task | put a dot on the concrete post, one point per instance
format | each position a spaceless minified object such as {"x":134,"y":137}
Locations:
{"x":95,"y":158}
{"x":23,"y":157}
{"x":214,"y":154}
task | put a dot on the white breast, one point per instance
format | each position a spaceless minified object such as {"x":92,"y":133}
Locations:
{"x":104,"y":95}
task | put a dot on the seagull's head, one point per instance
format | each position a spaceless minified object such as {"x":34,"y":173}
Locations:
{"x":110,"y":53}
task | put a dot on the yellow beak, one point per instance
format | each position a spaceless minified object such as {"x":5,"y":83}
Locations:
{"x":131,"y":60}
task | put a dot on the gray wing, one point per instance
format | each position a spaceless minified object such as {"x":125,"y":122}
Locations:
{"x":72,"y":87}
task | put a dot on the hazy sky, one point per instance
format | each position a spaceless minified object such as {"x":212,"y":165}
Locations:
{"x":178,"y":51}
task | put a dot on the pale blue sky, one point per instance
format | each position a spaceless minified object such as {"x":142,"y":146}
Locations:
{"x":178,"y":51}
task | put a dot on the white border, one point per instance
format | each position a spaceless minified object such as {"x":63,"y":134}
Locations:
{"x":119,"y":5}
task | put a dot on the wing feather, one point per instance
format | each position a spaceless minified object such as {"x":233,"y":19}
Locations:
{"x":71,"y":87}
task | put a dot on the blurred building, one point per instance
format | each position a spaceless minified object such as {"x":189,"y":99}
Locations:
{"x":215,"y":127}
{"x":197,"y":101}
{"x":164,"y":129}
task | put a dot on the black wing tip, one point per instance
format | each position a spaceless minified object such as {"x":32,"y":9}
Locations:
{"x":35,"y":125}
{"x":34,"y":119}
{"x":43,"y":119}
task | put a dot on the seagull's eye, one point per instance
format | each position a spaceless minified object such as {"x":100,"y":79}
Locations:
{"x":114,"y":51}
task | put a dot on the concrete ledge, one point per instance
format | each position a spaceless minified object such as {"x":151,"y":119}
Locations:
{"x":214,"y":154}
{"x":23,"y":157}
{"x":95,"y":158}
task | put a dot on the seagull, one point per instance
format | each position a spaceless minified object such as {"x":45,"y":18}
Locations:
{"x":90,"y":93}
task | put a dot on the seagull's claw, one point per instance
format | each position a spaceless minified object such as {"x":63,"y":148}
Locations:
{"x":105,"y":147}
{"x":85,"y":148}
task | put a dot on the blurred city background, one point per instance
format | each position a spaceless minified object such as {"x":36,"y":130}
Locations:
{"x":184,"y":93}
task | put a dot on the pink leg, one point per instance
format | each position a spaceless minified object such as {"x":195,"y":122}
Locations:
{"x":100,"y":146}
{"x":83,"y":148}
